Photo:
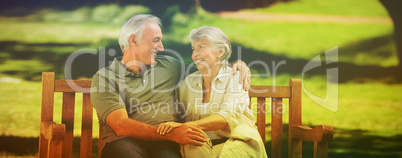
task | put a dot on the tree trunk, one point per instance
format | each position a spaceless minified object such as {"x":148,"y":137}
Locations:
{"x":394,"y":8}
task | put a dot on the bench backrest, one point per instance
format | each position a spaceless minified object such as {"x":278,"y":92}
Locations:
{"x":277,"y":94}
{"x":70,"y":87}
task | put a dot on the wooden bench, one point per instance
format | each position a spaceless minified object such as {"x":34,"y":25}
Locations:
{"x":56,"y":140}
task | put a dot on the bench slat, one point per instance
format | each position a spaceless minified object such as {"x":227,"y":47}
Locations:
{"x":269,"y":91}
{"x":276,"y":128}
{"x":68,"y":119}
{"x":80,"y":86}
{"x":261,"y":117}
{"x":86,"y":129}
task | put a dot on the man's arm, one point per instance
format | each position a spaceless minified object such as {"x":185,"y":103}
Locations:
{"x":245,"y":74}
{"x":123,"y":126}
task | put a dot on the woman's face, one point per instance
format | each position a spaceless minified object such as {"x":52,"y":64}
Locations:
{"x":204,"y":55}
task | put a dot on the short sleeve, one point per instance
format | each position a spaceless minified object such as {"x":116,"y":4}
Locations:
{"x":235,"y":102}
{"x":104,"y":95}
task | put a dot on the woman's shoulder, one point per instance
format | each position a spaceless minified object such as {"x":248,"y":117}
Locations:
{"x":195,"y":76}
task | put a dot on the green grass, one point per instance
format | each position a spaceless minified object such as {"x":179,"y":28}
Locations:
{"x":320,"y":7}
{"x":300,"y":40}
{"x":55,"y":32}
{"x":22,"y":108}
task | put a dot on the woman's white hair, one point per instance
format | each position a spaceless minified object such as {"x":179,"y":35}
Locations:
{"x":135,"y":25}
{"x":216,"y":37}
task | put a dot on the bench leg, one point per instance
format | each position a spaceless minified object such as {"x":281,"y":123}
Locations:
{"x":55,"y":149}
{"x":320,"y":149}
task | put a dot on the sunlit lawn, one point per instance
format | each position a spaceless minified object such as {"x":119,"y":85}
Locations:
{"x":302,"y":40}
{"x":319,"y":7}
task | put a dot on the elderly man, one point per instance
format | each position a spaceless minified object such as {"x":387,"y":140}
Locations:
{"x":134,"y":95}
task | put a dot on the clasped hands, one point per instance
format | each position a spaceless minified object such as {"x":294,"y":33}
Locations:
{"x":185,"y":133}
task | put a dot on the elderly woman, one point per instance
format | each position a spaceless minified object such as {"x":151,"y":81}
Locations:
{"x":213,"y":100}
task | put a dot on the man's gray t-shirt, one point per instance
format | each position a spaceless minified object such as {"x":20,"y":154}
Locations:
{"x":147,"y":98}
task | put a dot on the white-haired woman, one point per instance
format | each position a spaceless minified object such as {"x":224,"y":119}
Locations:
{"x":213,"y":100}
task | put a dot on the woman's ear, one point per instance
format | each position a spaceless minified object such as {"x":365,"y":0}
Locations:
{"x":221,"y":51}
{"x":133,"y":39}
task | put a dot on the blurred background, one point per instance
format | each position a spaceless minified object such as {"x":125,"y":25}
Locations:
{"x":38,"y":36}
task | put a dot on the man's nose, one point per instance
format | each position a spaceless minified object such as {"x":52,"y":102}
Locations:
{"x":160,"y":46}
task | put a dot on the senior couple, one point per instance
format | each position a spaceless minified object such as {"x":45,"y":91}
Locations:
{"x":145,"y":109}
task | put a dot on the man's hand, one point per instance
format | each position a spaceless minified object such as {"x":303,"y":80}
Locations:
{"x":187,"y":134}
{"x":245,"y":74}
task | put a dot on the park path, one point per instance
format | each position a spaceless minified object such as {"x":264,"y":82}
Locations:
{"x":266,"y":17}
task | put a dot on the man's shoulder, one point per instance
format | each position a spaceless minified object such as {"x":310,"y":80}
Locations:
{"x":172,"y":64}
{"x":103,"y":74}
{"x":167,"y":59}
{"x":104,"y":71}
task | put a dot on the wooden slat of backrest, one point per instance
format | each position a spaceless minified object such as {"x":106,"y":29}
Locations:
{"x":276,"y":128}
{"x":295,"y":145}
{"x":86,"y":129}
{"x":46,"y":108}
{"x":68,"y":120}
{"x":82,"y":86}
{"x":261,"y":117}
{"x":269,"y":91}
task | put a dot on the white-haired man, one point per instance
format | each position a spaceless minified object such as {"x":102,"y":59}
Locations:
{"x":134,"y":95}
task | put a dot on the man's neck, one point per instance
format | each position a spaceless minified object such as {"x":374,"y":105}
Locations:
{"x":132,"y":64}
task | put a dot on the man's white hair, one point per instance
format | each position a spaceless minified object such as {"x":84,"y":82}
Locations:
{"x":135,"y":25}
{"x":216,"y":37}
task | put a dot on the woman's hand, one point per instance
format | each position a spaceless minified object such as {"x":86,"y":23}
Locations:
{"x":165,"y":128}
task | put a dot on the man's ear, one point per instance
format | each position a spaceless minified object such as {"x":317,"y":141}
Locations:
{"x":132,"y":39}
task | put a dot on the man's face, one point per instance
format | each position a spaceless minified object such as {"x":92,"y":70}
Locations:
{"x":151,"y":44}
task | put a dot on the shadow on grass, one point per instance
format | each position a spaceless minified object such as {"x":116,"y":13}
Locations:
{"x":87,"y":64}
{"x":347,"y":143}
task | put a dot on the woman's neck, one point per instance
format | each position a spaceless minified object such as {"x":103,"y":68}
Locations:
{"x":209,"y":76}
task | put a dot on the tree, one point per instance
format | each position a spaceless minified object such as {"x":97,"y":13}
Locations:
{"x":394,"y":8}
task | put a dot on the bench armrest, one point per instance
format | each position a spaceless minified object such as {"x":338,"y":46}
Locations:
{"x":321,"y":133}
{"x":53,"y":131}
